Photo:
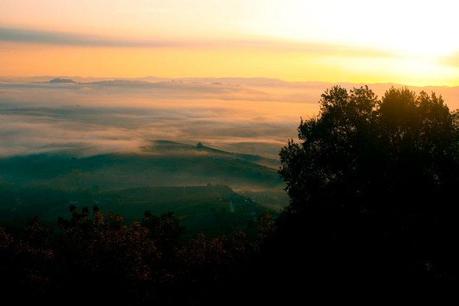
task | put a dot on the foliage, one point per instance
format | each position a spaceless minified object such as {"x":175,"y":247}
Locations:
{"x":372,"y":184}
{"x":97,"y":258}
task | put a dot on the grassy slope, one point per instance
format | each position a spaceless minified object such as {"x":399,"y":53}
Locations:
{"x":195,"y":182}
{"x":118,"y":171}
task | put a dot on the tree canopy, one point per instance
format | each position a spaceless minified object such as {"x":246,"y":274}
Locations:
{"x":378,"y":178}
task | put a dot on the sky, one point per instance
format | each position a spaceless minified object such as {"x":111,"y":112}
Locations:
{"x":398,"y":41}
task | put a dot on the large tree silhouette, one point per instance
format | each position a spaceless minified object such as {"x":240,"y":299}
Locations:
{"x":373,"y":186}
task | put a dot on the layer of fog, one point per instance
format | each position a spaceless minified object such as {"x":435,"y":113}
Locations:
{"x":98,"y":116}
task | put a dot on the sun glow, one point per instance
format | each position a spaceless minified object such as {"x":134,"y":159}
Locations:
{"x":410,"y":41}
{"x":426,"y":28}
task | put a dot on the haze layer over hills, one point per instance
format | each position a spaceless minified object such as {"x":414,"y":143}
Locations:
{"x":254,"y":116}
{"x":206,"y":149}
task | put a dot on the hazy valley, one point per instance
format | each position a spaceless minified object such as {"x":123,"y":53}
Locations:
{"x":206,"y":149}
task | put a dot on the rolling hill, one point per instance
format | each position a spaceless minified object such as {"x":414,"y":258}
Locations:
{"x":211,"y":190}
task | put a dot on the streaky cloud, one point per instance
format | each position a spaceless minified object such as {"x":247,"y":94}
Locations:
{"x":62,"y":38}
{"x":30,"y":36}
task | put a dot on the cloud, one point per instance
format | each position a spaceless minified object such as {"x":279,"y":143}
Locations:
{"x":23,"y":134}
{"x":61,"y":38}
{"x":120,"y":116}
{"x":35,"y":130}
{"x":19,"y":35}
{"x":92,"y":119}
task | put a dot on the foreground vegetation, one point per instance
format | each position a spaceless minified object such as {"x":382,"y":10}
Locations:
{"x":372,"y":185}
{"x":93,"y":258}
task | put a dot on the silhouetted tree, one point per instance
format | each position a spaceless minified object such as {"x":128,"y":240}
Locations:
{"x":372,"y":184}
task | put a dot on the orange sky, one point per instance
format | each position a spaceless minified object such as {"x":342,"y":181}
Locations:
{"x":410,"y":42}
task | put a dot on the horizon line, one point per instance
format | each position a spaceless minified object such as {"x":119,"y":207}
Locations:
{"x":119,"y":78}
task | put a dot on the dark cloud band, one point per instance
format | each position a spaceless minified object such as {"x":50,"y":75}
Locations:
{"x":17,"y":35}
{"x":61,"y":38}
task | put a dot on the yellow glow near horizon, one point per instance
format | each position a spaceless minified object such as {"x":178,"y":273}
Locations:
{"x":411,"y":42}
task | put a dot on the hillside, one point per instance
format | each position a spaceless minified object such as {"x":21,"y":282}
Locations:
{"x":209,"y":189}
{"x":120,"y":171}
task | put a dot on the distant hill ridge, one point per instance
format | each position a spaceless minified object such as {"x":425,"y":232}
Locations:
{"x":164,"y":146}
{"x":62,"y":81}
